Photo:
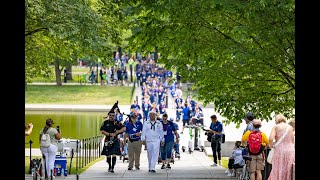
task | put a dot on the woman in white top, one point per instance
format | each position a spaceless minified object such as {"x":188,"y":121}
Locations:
{"x":50,"y":151}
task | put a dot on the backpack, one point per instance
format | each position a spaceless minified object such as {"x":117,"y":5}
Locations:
{"x":255,"y":143}
{"x":45,"y":140}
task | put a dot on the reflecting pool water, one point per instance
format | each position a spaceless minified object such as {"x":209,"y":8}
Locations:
{"x":73,"y":125}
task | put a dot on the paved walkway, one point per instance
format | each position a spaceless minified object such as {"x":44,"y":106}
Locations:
{"x":190,"y":166}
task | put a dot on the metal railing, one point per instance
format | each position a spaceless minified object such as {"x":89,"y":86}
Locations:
{"x":30,"y":142}
{"x":88,"y":150}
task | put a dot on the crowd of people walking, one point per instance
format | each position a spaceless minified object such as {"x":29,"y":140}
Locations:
{"x":159,"y":137}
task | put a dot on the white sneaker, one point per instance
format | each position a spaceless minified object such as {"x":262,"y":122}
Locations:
{"x":229,"y":174}
{"x":214,"y":164}
{"x":227,"y":171}
{"x":232,"y":174}
{"x":219,"y":162}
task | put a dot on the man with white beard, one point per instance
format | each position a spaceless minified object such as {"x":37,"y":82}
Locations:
{"x":152,"y":135}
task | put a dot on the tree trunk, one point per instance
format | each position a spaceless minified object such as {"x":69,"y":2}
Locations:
{"x":120,"y":52}
{"x":69,"y":72}
{"x":58,"y":72}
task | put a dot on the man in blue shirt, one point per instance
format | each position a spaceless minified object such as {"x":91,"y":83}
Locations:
{"x":186,"y":115}
{"x":216,"y":128}
{"x":146,"y":107}
{"x":170,"y":132}
{"x":138,"y":75}
{"x":179,"y":109}
{"x":135,"y":105}
{"x":133,"y":132}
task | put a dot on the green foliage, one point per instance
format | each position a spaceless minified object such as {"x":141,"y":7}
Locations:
{"x":239,"y":53}
{"x":66,"y":30}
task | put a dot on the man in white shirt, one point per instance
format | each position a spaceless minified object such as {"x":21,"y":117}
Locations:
{"x":152,"y":135}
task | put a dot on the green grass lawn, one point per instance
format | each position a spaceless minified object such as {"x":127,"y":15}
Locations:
{"x":73,"y":165}
{"x":99,"y":95}
{"x":224,"y":161}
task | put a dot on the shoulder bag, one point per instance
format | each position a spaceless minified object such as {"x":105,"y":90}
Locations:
{"x":270,"y":155}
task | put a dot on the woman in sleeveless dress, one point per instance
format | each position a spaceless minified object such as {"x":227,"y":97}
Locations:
{"x":284,"y":152}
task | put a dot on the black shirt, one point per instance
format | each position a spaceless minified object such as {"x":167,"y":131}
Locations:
{"x":110,"y":127}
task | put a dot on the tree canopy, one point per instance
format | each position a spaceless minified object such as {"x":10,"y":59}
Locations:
{"x":239,"y":53}
{"x":65,"y":30}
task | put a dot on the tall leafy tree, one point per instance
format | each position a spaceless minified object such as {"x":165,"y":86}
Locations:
{"x":239,"y":53}
{"x":60,"y":31}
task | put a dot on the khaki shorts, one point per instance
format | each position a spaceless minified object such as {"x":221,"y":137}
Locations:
{"x":257,"y":162}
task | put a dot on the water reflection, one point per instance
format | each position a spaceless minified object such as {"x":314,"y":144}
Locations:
{"x":73,"y":125}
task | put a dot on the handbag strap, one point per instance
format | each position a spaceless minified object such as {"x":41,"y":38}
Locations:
{"x":282,"y":137}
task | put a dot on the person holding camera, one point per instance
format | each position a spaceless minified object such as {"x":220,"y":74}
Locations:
{"x":133,"y":132}
{"x":216,"y":128}
{"x":49,"y":151}
{"x":111,"y":129}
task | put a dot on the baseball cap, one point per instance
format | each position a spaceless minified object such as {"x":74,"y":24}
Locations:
{"x":249,"y":116}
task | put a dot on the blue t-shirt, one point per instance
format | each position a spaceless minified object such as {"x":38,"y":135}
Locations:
{"x":216,"y":127}
{"x":138,"y":75}
{"x":132,"y":128}
{"x":186,"y":112}
{"x":162,"y":108}
{"x":168,"y":130}
{"x":178,"y":100}
{"x":193,"y":104}
{"x":146,"y":108}
{"x":134,"y":106}
{"x":160,"y":95}
{"x":152,"y":98}
{"x":144,"y":78}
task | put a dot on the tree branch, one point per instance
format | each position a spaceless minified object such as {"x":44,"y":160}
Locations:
{"x":28,"y":33}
